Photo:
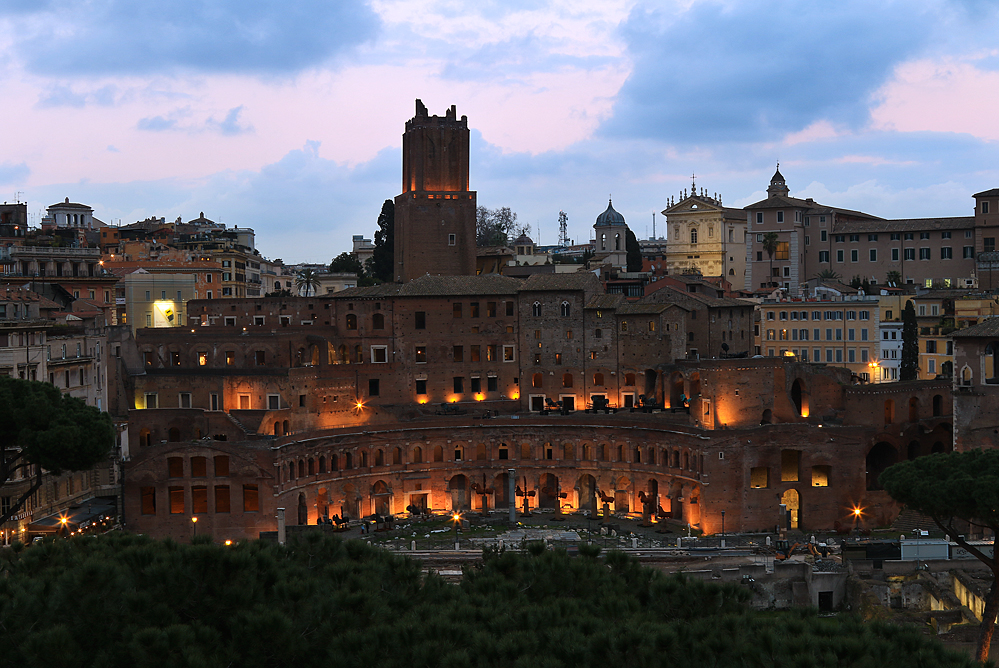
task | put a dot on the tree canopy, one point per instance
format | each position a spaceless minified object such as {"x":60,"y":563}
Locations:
{"x":955,"y":489}
{"x":346,"y":263}
{"x":634,"y":250}
{"x":381,"y":265}
{"x":770,"y":241}
{"x":909,"y":367}
{"x":494,"y":227}
{"x":320,"y":601}
{"x":43,"y":429}
{"x":307,"y":280}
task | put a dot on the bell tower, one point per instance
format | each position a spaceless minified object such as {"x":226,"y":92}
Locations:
{"x":435,"y":214}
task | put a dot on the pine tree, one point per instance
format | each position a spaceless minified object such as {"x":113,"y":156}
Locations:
{"x":634,"y":251}
{"x":910,"y":344}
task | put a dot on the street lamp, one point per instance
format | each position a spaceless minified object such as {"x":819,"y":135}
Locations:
{"x":457,"y":518}
{"x":62,"y":522}
{"x":857,"y":512}
{"x":875,"y":370}
{"x":194,"y":524}
{"x":723,"y":529}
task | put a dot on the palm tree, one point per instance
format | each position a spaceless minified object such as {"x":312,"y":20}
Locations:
{"x":894,"y":278}
{"x":308,"y":280}
{"x":770,"y":246}
{"x":827,"y":275}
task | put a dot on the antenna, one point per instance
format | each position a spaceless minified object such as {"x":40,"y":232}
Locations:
{"x":17,"y":196}
{"x":653,"y":224}
{"x":563,"y":229}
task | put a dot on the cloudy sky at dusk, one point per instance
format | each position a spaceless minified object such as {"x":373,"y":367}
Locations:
{"x":287,"y":117}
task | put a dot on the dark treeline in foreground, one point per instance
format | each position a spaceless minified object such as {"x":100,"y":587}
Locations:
{"x":129,"y":601}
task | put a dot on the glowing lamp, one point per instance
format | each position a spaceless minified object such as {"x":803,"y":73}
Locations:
{"x":479,"y":397}
{"x":423,"y":400}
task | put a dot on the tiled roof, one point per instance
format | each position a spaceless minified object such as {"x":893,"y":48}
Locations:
{"x":988,"y":193}
{"x":813,"y":207}
{"x":437,"y":286}
{"x":642,"y":309}
{"x":668,"y":295}
{"x":903,"y":225}
{"x":944,"y":294}
{"x":580,"y":280}
{"x":985,"y":328}
{"x":604,"y":301}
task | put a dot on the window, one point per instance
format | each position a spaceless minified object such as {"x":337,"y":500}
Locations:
{"x":985,"y":207}
{"x":491,"y":352}
{"x":536,"y":309}
{"x":421,"y":320}
{"x":909,"y":254}
{"x":509,"y":308}
{"x":351,"y":321}
{"x":273,"y":402}
{"x":924,"y":235}
{"x":872,"y":237}
{"x":151,"y":399}
{"x":780,"y":216}
{"x":854,"y":237}
{"x":458,"y":353}
{"x":508,"y":353}
{"x":229,"y":321}
{"x":378,"y":321}
{"x":420,"y":356}
{"x":693,"y":236}
{"x":894,"y":255}
{"x":421,"y":387}
{"x":874,"y":254}
{"x":185,"y":399}
{"x":824,"y":236}
{"x":924,"y":253}
{"x":222,"y":500}
{"x":823,"y":256}
{"x":783,"y":250}
{"x":989,"y":244}
{"x":176,"y":500}
{"x":456,"y":310}
{"x":379,"y":354}
{"x":565,"y":308}
{"x":492,"y":384}
{"x":251,"y":499}
{"x":840,"y":238}
{"x":759,"y":217}
{"x":451,"y":240}
{"x":230,"y":358}
{"x":373,"y":387}
{"x":459,"y":384}
{"x":854,"y":255}
{"x":839,"y":256}
{"x":476,"y":387}
{"x":931,"y":347}
{"x":946,"y":253}
{"x":969,"y":252}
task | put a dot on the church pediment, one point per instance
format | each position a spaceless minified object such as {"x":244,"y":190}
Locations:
{"x":693,"y":205}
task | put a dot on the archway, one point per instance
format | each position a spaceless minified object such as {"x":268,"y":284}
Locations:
{"x":937,"y":405}
{"x":792,"y":501}
{"x":501,"y":490}
{"x":799,"y":397}
{"x":380,"y":497}
{"x":548,"y":495}
{"x":417,"y":455}
{"x":880,"y":457}
{"x":622,"y":495}
{"x":322,"y":504}
{"x":173,"y":435}
{"x":768,"y":417}
{"x":913,"y":409}
{"x":651,"y":390}
{"x":586,"y":489}
{"x":912,"y":451}
{"x":676,"y":390}
{"x":695,"y":384}
{"x":303,"y":510}
{"x":889,"y":411}
{"x":145,"y":438}
{"x":458,"y":487}
{"x":438,"y":453}
{"x":350,"y":509}
{"x":942,"y":447}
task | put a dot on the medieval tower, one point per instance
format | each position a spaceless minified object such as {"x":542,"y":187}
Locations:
{"x":435,"y":214}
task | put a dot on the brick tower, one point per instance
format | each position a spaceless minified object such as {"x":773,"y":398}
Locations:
{"x":435,"y":214}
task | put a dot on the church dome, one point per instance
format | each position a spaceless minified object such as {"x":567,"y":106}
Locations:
{"x":609,"y":217}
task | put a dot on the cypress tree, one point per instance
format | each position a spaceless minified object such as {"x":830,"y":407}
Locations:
{"x":383,"y":259}
{"x":910,"y":344}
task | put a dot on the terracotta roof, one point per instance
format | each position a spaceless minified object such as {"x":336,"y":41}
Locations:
{"x":580,"y":280}
{"x":668,"y":295}
{"x":642,"y":309}
{"x":604,"y":301}
{"x":813,"y":207}
{"x":437,"y":286}
{"x":903,"y":225}
{"x":985,"y":328}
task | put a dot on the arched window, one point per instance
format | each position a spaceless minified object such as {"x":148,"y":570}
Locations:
{"x":351,"y":321}
{"x":617,"y":242}
{"x":566,"y":380}
{"x":537,"y":380}
{"x":598,"y":379}
{"x":341,"y":355}
{"x":377,"y":321}
{"x":603,"y":242}
{"x":536,"y":309}
{"x":693,"y":236}
{"x":629,"y":379}
{"x":565,"y":309}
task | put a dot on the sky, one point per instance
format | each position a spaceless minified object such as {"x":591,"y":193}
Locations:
{"x":288,"y":117}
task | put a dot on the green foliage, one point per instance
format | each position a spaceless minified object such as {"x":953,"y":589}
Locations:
{"x":634,"y":251}
{"x":827,"y":275}
{"x":346,"y":263}
{"x":381,"y":266}
{"x":894,"y":278}
{"x":770,"y":241}
{"x":320,"y":601}
{"x":307,"y":281}
{"x":494,"y":227}
{"x":41,"y":426}
{"x":909,"y":367}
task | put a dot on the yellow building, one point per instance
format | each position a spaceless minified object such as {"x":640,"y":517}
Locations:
{"x":706,"y":238}
{"x":157,"y":300}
